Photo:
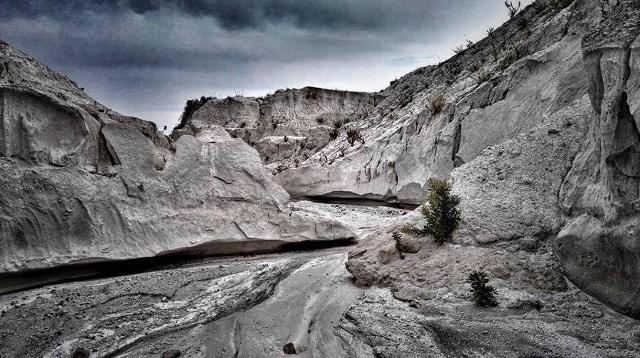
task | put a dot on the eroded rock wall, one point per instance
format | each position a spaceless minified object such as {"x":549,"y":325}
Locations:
{"x":288,"y":126}
{"x":600,"y":246}
{"x":548,"y":171}
{"x":502,"y":87}
{"x":80,"y":182}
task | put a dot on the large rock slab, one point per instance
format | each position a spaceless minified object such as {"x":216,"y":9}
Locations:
{"x":80,"y":183}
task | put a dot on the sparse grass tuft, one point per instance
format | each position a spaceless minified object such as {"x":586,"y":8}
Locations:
{"x":483,"y":76}
{"x":334,"y":133}
{"x":404,"y":99}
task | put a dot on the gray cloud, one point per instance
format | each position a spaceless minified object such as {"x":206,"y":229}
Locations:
{"x":146,"y":57}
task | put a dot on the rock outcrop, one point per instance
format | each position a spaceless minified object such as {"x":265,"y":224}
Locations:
{"x":81,"y":182}
{"x":543,"y":153}
{"x":512,"y":82}
{"x":285,"y":127}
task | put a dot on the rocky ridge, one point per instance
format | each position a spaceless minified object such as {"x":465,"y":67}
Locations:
{"x":285,"y":127}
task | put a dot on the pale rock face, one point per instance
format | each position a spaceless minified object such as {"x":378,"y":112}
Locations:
{"x":600,"y":247}
{"x":544,"y":156}
{"x":539,"y":72}
{"x":82,"y":183}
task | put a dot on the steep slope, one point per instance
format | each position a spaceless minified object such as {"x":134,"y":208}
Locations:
{"x":498,"y":88}
{"x":80,"y":182}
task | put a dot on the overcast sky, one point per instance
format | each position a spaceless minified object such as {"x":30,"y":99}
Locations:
{"x":147,"y":57}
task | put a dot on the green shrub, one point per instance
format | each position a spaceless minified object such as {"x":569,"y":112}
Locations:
{"x":334,"y":133}
{"x":440,"y":211}
{"x":483,"y":76}
{"x":353,"y":136}
{"x":404,"y":99}
{"x":275,"y":122}
{"x":189,"y":108}
{"x":279,"y":169}
{"x":437,"y":103}
{"x":483,"y":294}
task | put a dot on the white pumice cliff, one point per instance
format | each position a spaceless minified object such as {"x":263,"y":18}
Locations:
{"x":537,"y":129}
{"x":81,"y":182}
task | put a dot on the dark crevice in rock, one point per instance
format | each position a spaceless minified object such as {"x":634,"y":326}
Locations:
{"x":596,"y":81}
{"x":359,"y":200}
{"x":100,"y":268}
{"x":456,"y":141}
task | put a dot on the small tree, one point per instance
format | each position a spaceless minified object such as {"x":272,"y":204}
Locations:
{"x":483,"y":294}
{"x":440,"y":211}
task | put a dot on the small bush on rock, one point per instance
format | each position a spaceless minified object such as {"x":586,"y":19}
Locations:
{"x":192,"y":106}
{"x":353,"y":136}
{"x":483,"y":294}
{"x":483,"y":76}
{"x":404,"y":99}
{"x":279,"y":169}
{"x":437,"y":103}
{"x":440,"y":211}
{"x":512,"y":8}
{"x":334,"y":133}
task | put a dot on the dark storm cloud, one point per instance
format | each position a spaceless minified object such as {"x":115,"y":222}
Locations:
{"x":146,"y":57}
{"x":251,"y":14}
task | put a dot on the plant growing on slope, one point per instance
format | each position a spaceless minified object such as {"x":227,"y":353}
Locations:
{"x":437,"y":103}
{"x":404,"y":99}
{"x":353,"y":136}
{"x":190,"y":107}
{"x":334,"y":133}
{"x":458,"y":49}
{"x":512,"y":9}
{"x":483,"y":294}
{"x":279,"y":169}
{"x":440,"y":211}
{"x":483,"y":76}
